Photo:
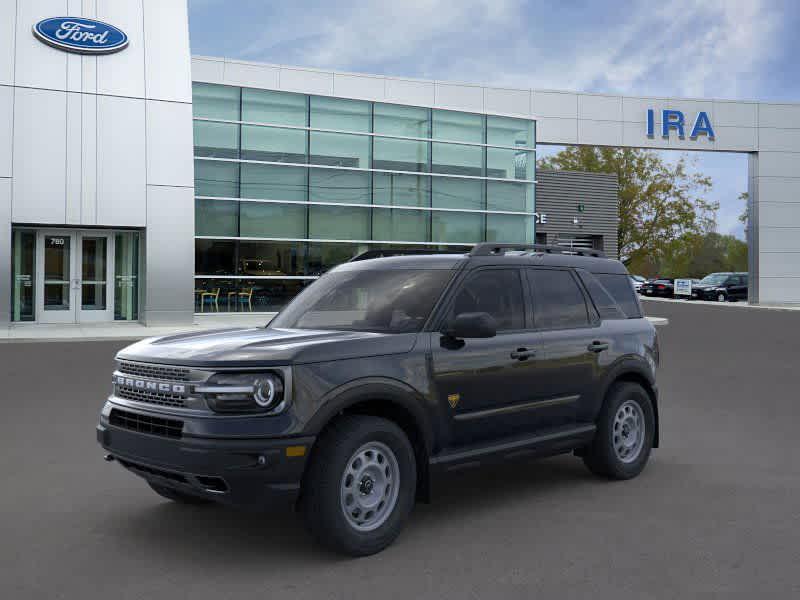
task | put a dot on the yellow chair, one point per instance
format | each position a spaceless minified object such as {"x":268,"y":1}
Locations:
{"x":246,"y":295}
{"x":211,"y":297}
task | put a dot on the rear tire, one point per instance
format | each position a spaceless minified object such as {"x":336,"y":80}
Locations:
{"x":360,"y":485}
{"x":175,"y":495}
{"x":625,"y":432}
{"x":722,"y":297}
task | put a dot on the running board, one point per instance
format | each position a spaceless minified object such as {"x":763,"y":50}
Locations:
{"x":546,"y":444}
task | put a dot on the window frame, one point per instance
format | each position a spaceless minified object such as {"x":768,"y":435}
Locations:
{"x":592,"y":317}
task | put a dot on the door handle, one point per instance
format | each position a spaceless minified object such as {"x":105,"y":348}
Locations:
{"x":597,"y":346}
{"x":523,"y":354}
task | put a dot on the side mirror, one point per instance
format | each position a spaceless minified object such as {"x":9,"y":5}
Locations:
{"x":471,"y":325}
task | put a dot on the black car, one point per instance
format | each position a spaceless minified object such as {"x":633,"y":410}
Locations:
{"x":661,"y":288}
{"x":722,"y":287}
{"x":386,"y":372}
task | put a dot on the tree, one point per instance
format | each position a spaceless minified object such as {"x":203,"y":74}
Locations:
{"x":659,"y":202}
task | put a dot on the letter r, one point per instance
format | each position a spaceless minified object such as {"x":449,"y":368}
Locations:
{"x":672,"y":119}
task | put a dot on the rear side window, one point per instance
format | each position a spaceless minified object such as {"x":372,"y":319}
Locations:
{"x":621,"y":290}
{"x":558,"y":302}
{"x":606,"y":306}
{"x":494,"y":291}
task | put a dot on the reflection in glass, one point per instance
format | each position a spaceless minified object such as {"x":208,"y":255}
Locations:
{"x":324,"y":256}
{"x":23,"y":253}
{"x":338,"y":185}
{"x":216,"y":217}
{"x":272,"y":258}
{"x":509,"y":228}
{"x":509,"y":164}
{"x":507,"y":195}
{"x":216,"y":178}
{"x":401,"y":225}
{"x":215,"y":101}
{"x":406,"y":121}
{"x":451,"y":192}
{"x":262,"y":219}
{"x":401,"y":190}
{"x":273,"y":144}
{"x":507,"y":131}
{"x":273,"y":182}
{"x":339,"y":150}
{"x":457,"y":126}
{"x":341,"y":114}
{"x":338,"y":222}
{"x":93,"y":273}
{"x":400,"y":155}
{"x":280,"y":108}
{"x":457,"y":227}
{"x":126,"y":276}
{"x":219,"y":140}
{"x":214,"y":295}
{"x":56,"y":272}
{"x":214,"y":257}
{"x":457,"y":159}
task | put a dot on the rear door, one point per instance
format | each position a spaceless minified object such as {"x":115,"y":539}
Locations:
{"x":572,"y":340}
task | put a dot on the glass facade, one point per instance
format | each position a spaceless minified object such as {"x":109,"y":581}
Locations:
{"x":289,"y":185}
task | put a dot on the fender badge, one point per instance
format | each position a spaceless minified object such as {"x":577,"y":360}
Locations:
{"x":453,"y":399}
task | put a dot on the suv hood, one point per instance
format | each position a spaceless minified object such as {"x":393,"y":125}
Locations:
{"x":259,"y":346}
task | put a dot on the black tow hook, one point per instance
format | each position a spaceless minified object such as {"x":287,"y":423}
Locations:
{"x":108,"y":458}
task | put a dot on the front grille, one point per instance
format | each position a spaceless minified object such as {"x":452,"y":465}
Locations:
{"x":159,"y":398}
{"x":154,"y":371}
{"x":171,"y":428}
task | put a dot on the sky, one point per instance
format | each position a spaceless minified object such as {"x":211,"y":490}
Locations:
{"x":732,"y":49}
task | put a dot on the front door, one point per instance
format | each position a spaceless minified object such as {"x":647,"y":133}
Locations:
{"x":73,"y":272}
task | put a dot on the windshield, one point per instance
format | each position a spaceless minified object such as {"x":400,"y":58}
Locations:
{"x":390,"y":301}
{"x":714,"y":279}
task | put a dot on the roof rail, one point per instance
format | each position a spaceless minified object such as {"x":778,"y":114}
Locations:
{"x":491,"y":248}
{"x":384,"y":252}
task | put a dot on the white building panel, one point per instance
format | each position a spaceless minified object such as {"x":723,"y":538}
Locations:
{"x":6,"y":125}
{"x":408,"y":91}
{"x":735,"y":114}
{"x":358,"y":86}
{"x":462,"y":97}
{"x":779,"y":115}
{"x":599,"y":108}
{"x":634,"y":135}
{"x":778,"y":164}
{"x":74,"y":159}
{"x":89,"y":159}
{"x":734,"y":139}
{"x":779,"y":290}
{"x":39,"y":156}
{"x":121,"y":169}
{"x":779,"y":214}
{"x":37,"y":64}
{"x":250,"y":75}
{"x":207,"y":69}
{"x":600,"y":133}
{"x":555,"y":104}
{"x":169,"y":144}
{"x":634,"y":109}
{"x":306,"y":81}
{"x":507,"y":102}
{"x":166,"y":37}
{"x":556,"y":131}
{"x":779,"y":239}
{"x":780,"y":140}
{"x":122,"y":73}
{"x":8,"y":24}
{"x":5,"y":249}
{"x":779,"y":189}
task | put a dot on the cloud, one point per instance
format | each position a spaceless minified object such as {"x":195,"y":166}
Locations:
{"x":681,"y":48}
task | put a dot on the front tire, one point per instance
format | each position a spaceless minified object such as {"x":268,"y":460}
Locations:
{"x":625,"y":433}
{"x":722,"y":297}
{"x":360,"y":485}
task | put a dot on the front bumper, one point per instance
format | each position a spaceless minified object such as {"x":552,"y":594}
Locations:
{"x":252,"y":472}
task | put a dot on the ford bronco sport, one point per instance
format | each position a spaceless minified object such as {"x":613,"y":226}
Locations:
{"x":386,"y":371}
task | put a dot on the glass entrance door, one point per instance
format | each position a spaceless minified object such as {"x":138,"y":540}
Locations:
{"x":73,"y":274}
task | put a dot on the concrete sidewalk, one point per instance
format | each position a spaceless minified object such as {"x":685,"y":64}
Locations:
{"x":87,"y":332}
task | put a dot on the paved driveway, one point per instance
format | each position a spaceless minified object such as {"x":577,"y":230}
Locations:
{"x":715,"y":514}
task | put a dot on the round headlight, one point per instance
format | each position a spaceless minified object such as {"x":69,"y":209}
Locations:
{"x":264,"y":393}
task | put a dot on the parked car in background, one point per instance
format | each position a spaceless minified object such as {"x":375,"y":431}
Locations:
{"x":722,"y":287}
{"x":662,"y":288}
{"x":638,"y":281}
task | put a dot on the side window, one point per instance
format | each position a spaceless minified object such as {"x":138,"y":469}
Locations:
{"x":558,"y":302}
{"x":621,"y":289}
{"x":494,"y":291}
{"x":606,"y":306}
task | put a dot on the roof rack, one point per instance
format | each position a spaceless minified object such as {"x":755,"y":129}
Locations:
{"x":384,"y":252}
{"x":492,"y":248}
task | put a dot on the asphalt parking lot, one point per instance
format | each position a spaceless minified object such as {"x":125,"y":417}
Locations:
{"x":715,"y":514}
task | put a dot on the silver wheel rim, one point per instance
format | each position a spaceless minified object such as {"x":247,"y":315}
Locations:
{"x":629,"y":431}
{"x":721,"y":298}
{"x":369,"y":487}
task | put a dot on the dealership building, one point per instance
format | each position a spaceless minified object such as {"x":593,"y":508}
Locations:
{"x":139,"y":183}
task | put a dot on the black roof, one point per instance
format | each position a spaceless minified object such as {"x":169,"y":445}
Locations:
{"x":530,"y":255}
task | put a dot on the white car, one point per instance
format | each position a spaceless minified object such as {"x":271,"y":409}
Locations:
{"x":637,"y":281}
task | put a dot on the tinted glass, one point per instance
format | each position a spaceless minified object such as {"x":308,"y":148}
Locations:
{"x":453,"y":192}
{"x":400,"y":225}
{"x":339,"y":150}
{"x":509,"y":164}
{"x":457,"y":126}
{"x":214,"y":257}
{"x":507,"y":131}
{"x":273,"y":182}
{"x":216,"y":217}
{"x":606,"y":306}
{"x":509,"y":196}
{"x":340,"y":114}
{"x":457,"y":159}
{"x":216,"y":178}
{"x":400,"y":155}
{"x":23,"y":259}
{"x":220,"y":140}
{"x":215,"y":101}
{"x":401,"y":190}
{"x":509,"y":228}
{"x":263,"y":219}
{"x":407,"y":121}
{"x":621,"y":289}
{"x":558,"y":302}
{"x":324,"y":256}
{"x":390,"y":301}
{"x":459,"y":227}
{"x":271,"y":259}
{"x":495,"y":291}
{"x":281,"y":108}
{"x":338,"y":222}
{"x":339,"y":185}
{"x":273,"y":144}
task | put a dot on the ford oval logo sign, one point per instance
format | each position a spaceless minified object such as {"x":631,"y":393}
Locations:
{"x":76,"y":34}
